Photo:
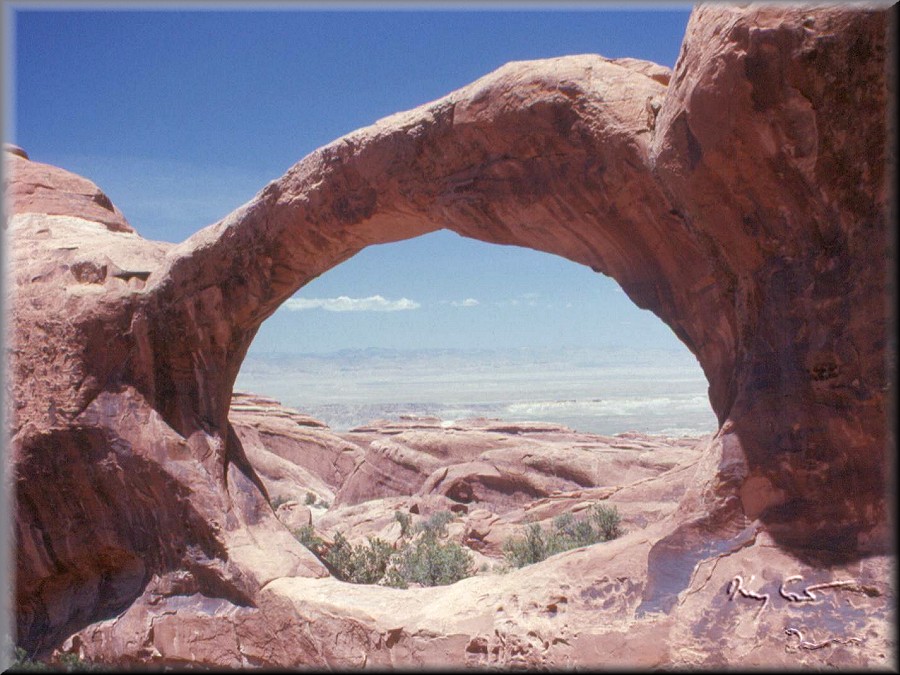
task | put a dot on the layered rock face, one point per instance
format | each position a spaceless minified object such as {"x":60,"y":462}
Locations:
{"x":742,"y":198}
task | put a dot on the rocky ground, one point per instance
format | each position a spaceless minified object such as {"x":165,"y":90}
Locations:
{"x":645,"y":599}
{"x":493,"y":476}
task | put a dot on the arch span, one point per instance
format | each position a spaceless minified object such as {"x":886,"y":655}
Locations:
{"x":551,"y":155}
{"x":729,"y":213}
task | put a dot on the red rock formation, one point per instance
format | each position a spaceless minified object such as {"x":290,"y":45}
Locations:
{"x":400,"y":456}
{"x":293,"y":453}
{"x":749,"y":213}
{"x":40,"y":188}
{"x":772,"y":145}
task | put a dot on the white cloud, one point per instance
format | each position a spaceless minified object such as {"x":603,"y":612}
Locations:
{"x":468,"y":302}
{"x":374,"y":303}
{"x":523,"y":300}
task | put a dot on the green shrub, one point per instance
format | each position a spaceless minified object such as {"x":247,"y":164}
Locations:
{"x":437,"y":523}
{"x":429,"y":562}
{"x":361,"y":564}
{"x":72,"y":663}
{"x":423,"y":560}
{"x":278,"y":501}
{"x":310,"y":498}
{"x":571,"y":532}
{"x":371,"y":562}
{"x":339,"y":557}
{"x":601,"y":523}
{"x":22,"y":662}
{"x":307,"y":536}
{"x":532,"y":548}
{"x":607,"y":520}
{"x":69,"y":663}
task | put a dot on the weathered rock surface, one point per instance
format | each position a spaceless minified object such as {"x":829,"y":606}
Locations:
{"x":414,"y":455}
{"x":292,"y":453}
{"x":749,"y":213}
{"x":400,"y":456}
{"x":40,"y":188}
{"x":531,"y":473}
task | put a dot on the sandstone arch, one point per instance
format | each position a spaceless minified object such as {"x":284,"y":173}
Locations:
{"x":751,"y":219}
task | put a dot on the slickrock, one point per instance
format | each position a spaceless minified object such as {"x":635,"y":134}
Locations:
{"x":491,"y":461}
{"x":400,"y":456}
{"x":743,"y":198}
{"x":294,"y":515}
{"x":490,"y":504}
{"x":292,"y":452}
{"x":45,"y":189}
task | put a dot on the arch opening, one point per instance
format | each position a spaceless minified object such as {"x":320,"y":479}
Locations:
{"x":520,"y":157}
{"x":354,"y":478}
{"x":447,"y":326}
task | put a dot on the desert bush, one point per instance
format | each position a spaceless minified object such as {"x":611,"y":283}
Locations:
{"x":360,"y":564}
{"x":307,"y":536}
{"x":339,"y":557}
{"x":570,"y":532}
{"x":310,"y":498}
{"x":601,"y":523}
{"x":437,"y":523}
{"x":22,"y":662}
{"x":72,"y":663}
{"x":429,"y":562}
{"x":531,"y":548}
{"x":69,"y":663}
{"x":278,"y":501}
{"x":424,"y":559}
{"x":607,"y":520}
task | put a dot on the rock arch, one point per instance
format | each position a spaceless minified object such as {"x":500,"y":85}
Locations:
{"x":525,"y":156}
{"x":737,"y":229}
{"x":749,"y":214}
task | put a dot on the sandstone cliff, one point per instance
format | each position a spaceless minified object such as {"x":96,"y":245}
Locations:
{"x":749,"y":212}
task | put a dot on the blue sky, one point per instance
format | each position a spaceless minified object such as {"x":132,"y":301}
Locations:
{"x":182,"y":116}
